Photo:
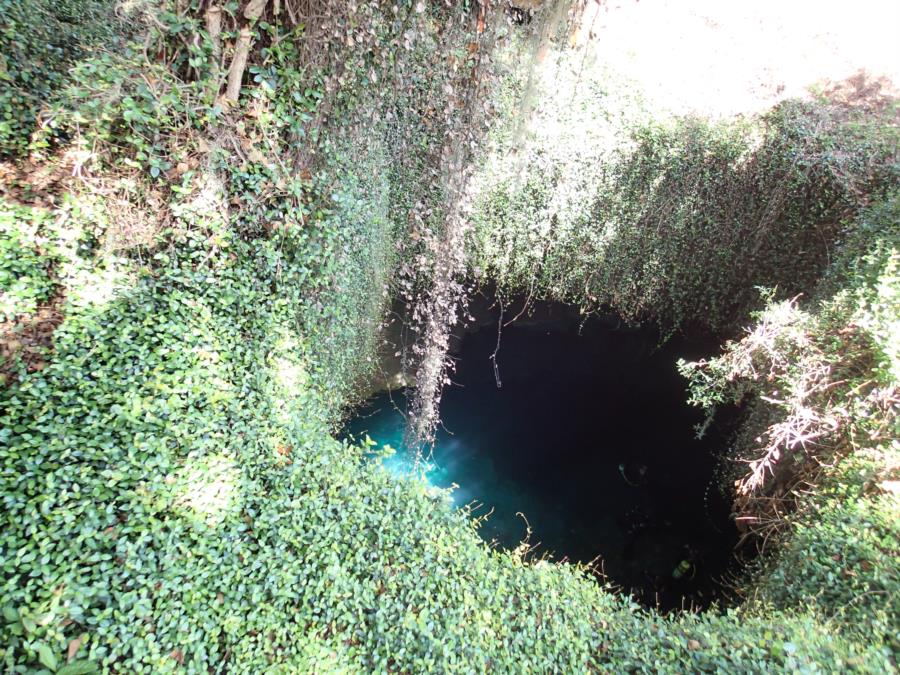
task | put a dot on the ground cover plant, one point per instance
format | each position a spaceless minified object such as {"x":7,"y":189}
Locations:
{"x":248,"y":185}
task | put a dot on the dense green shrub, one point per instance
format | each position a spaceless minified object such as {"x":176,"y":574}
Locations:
{"x":840,"y":556}
{"x":25,"y":262}
{"x":679,"y":221}
{"x":39,"y":40}
{"x":173,"y":499}
{"x":160,"y":384}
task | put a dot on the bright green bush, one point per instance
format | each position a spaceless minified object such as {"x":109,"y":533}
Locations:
{"x":39,"y":40}
{"x":675,"y":221}
{"x":26,"y":259}
{"x":172,"y":500}
{"x":840,"y":556}
{"x":172,"y":497}
{"x":195,"y":373}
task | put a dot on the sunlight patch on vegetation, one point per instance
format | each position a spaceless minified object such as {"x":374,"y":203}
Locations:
{"x":208,"y":487}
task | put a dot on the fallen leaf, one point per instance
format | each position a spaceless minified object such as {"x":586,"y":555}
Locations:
{"x":74,"y":646}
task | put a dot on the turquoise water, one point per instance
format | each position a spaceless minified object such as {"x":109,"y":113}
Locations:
{"x":588,"y":438}
{"x":463,"y":464}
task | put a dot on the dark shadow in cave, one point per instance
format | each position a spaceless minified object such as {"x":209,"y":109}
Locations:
{"x":591,"y":439}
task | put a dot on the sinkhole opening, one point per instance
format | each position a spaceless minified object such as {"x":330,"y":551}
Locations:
{"x":583,"y":431}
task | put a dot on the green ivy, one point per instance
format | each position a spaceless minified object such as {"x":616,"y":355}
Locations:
{"x":39,"y":40}
{"x":172,"y":496}
{"x":682,"y":220}
{"x":27,"y":257}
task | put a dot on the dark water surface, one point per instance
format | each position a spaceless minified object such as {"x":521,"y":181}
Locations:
{"x":590,"y":438}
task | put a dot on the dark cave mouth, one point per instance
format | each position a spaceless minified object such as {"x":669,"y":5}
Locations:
{"x":588,"y":440}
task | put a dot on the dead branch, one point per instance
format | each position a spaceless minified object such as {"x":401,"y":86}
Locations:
{"x":214,"y":30}
{"x":252,"y":12}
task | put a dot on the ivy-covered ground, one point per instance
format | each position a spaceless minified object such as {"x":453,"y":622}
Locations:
{"x":173,"y":500}
{"x":173,"y":497}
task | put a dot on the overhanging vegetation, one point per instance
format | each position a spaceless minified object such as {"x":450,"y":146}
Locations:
{"x":173,"y":499}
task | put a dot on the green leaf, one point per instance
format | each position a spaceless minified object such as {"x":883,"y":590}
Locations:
{"x":47,"y":657}
{"x":80,"y":667}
